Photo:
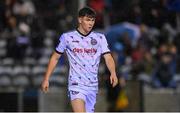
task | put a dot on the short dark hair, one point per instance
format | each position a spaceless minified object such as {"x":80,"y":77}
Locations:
{"x":87,"y":11}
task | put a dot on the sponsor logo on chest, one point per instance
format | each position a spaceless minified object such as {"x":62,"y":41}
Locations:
{"x":84,"y":50}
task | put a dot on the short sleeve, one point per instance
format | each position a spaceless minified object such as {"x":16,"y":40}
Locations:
{"x":104,"y":45}
{"x":61,"y":46}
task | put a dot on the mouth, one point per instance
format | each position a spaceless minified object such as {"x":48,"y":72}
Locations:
{"x":90,"y":27}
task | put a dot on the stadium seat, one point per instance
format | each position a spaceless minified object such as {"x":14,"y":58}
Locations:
{"x":8,"y":61}
{"x":29,"y":61}
{"x":3,"y":43}
{"x":6,"y":70}
{"x":177,"y":78}
{"x":43,"y":61}
{"x":58,"y":80}
{"x":38,"y":69}
{"x":5,"y":81}
{"x":37,"y":80}
{"x":20,"y":81}
{"x":18,"y":69}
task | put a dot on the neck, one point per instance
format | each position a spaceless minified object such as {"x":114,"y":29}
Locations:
{"x":82,"y":31}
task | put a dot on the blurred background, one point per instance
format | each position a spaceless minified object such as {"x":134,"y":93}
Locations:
{"x":143,"y":35}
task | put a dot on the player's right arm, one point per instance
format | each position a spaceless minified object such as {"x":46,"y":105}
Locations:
{"x":51,"y":66}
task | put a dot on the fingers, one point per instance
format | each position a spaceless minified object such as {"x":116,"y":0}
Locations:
{"x":113,"y":81}
{"x":45,"y":87}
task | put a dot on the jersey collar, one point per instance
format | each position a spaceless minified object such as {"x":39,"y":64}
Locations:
{"x":83,"y":34}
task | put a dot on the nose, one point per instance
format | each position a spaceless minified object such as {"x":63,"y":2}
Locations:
{"x":91,"y":23}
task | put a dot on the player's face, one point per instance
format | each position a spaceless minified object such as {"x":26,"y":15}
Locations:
{"x":86,"y":23}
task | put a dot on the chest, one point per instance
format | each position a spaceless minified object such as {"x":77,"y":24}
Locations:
{"x":83,"y":45}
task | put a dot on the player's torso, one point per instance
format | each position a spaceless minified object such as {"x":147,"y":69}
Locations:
{"x":84,"y":48}
{"x":84,"y":56}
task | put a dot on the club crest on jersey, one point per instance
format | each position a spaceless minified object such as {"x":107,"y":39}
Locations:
{"x":93,"y":41}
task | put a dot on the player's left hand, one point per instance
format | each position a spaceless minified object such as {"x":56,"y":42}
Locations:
{"x":113,"y":80}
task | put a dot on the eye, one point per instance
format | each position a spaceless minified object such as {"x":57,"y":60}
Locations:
{"x":88,"y":19}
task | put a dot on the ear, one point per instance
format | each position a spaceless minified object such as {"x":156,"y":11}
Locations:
{"x":79,"y":20}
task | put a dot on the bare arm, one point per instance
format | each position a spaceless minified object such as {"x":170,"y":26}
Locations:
{"x":51,"y":66}
{"x":111,"y":67}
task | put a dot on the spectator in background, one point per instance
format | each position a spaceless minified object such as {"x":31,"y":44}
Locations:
{"x":137,"y":60}
{"x":176,"y":42}
{"x":98,"y":6}
{"x":11,"y":32}
{"x":148,"y":63}
{"x":22,"y":41}
{"x":37,"y":37}
{"x":2,"y":15}
{"x":136,"y":15}
{"x":24,"y":7}
{"x":166,"y":68}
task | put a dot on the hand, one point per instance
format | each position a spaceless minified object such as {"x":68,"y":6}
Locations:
{"x":45,"y":86}
{"x":113,"y":80}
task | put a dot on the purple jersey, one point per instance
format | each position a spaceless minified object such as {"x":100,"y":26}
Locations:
{"x":84,"y":53}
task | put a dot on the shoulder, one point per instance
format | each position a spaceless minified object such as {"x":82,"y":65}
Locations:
{"x":98,"y":34}
{"x":69,"y":33}
{"x":65,"y":35}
